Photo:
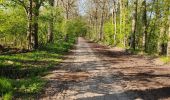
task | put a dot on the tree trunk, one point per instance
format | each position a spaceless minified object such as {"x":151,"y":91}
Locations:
{"x":29,"y":25}
{"x":114,"y":22}
{"x":32,"y":25}
{"x":35,"y":32}
{"x":120,"y":15}
{"x":134,"y":26}
{"x":145,"y":35}
{"x":35,"y":14}
{"x":124,"y":22}
{"x":50,"y":24}
{"x":50,"y":32}
{"x":168,"y":44}
{"x":96,"y":21}
{"x":101,"y":25}
{"x":157,"y":25}
{"x":67,"y":10}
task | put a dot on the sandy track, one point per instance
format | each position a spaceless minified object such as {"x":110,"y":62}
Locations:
{"x":95,"y":72}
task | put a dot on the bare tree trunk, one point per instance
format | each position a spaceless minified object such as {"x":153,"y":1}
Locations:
{"x":50,"y":31}
{"x":114,"y":22}
{"x":124,"y":22}
{"x":50,"y":24}
{"x":29,"y":25}
{"x":168,"y":45}
{"x":67,"y":14}
{"x":101,"y":24}
{"x":157,"y":24}
{"x":145,"y":35}
{"x":96,"y":21}
{"x":35,"y":33}
{"x":134,"y":26}
{"x":120,"y":15}
{"x":35,"y":14}
{"x":32,"y":32}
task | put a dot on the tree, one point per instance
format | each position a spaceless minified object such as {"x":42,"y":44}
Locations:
{"x":114,"y":20}
{"x":50,"y":25}
{"x":102,"y":19}
{"x":145,"y":26}
{"x":69,"y":7}
{"x":134,"y":26}
{"x":168,"y":44}
{"x":32,"y":10}
{"x":141,"y":23}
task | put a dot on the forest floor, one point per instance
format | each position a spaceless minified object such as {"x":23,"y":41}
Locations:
{"x":22,"y":71}
{"x":95,"y":72}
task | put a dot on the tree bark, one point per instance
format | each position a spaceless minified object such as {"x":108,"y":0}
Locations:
{"x":96,"y":21}
{"x":145,"y":35}
{"x":35,"y":30}
{"x":50,"y":24}
{"x":35,"y":14}
{"x":168,"y":44}
{"x":114,"y":21}
{"x":120,"y":15}
{"x":29,"y":25}
{"x":102,"y":23}
{"x":157,"y":24}
{"x":32,"y":25}
{"x":134,"y":26}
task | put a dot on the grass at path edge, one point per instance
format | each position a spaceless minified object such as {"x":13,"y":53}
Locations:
{"x":21,"y":74}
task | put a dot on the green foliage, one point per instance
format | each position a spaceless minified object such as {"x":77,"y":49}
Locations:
{"x":13,"y":26}
{"x":152,"y":17}
{"x":29,"y":86}
{"x":6,"y":88}
{"x":48,"y":14}
{"x":109,"y":32}
{"x":23,"y":72}
{"x":7,"y":96}
{"x":75,"y":27}
{"x":165,"y":59}
{"x":5,"y":85}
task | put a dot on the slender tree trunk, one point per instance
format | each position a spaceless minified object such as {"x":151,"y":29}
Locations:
{"x":134,"y":26}
{"x":35,"y":14}
{"x":67,"y":10}
{"x":35,"y":32}
{"x":124,"y":22}
{"x":32,"y":25}
{"x":67,"y":15}
{"x":101,"y":24}
{"x":145,"y":35}
{"x":50,"y":24}
{"x":96,"y":21}
{"x":120,"y":15}
{"x":168,"y":44}
{"x":114,"y":22}
{"x":157,"y":24}
{"x":50,"y":32}
{"x":29,"y":25}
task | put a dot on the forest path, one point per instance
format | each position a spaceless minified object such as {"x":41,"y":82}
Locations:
{"x":95,"y":72}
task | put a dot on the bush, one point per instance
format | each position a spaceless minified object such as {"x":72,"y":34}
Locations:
{"x":5,"y":85}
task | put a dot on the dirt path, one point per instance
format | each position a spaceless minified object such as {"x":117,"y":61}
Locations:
{"x":95,"y":72}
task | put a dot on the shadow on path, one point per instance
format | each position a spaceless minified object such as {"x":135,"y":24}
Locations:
{"x":151,"y":94}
